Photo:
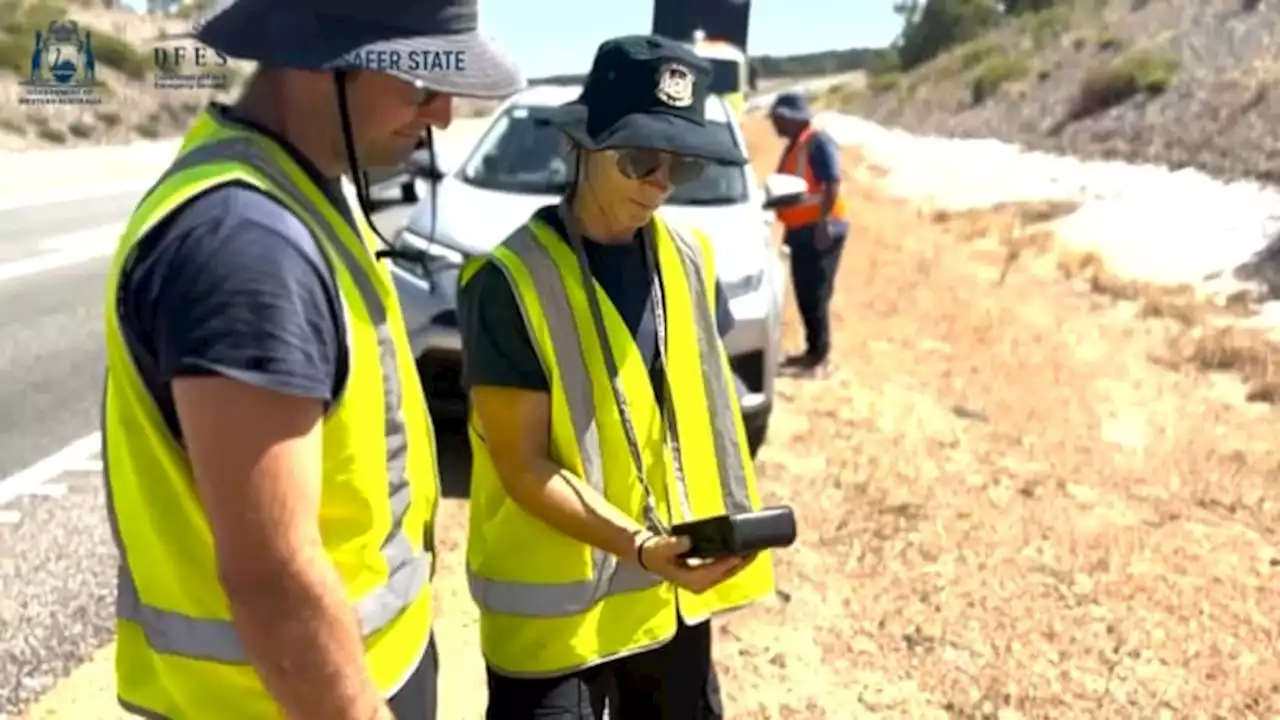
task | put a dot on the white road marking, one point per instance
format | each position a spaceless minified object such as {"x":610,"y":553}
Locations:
{"x":50,"y":490}
{"x":67,"y":250}
{"x":34,"y":480}
{"x":91,"y":465}
{"x":32,"y":200}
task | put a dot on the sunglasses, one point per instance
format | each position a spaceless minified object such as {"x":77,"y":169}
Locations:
{"x":423,"y":97}
{"x":640,"y":164}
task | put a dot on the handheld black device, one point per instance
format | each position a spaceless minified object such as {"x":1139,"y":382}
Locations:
{"x":740,"y":534}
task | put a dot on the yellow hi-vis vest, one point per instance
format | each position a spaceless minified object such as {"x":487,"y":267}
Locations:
{"x":178,"y":655}
{"x":550,"y":604}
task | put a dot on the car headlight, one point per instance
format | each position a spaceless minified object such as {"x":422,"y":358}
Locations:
{"x":434,"y":255}
{"x":743,"y":285}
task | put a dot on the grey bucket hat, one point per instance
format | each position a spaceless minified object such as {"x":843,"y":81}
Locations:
{"x":434,"y":44}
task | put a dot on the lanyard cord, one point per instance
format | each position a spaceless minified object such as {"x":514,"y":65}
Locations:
{"x":611,"y":363}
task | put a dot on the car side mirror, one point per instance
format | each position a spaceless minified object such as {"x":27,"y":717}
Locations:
{"x":782,"y":190}
{"x":423,"y":163}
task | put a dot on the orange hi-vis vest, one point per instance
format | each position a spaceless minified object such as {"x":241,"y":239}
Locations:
{"x":796,"y":162}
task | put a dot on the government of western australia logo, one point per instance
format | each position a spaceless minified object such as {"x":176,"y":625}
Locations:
{"x":62,"y":67}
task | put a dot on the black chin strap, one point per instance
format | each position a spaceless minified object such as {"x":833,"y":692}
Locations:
{"x":361,"y":180}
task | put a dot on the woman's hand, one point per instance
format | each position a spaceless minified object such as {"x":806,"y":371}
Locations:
{"x":661,"y":555}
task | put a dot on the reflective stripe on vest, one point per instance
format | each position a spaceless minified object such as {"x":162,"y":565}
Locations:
{"x":799,"y":156}
{"x":608,"y":576}
{"x":408,"y":573}
{"x":796,"y":162}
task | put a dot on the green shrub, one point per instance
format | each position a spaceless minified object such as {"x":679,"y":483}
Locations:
{"x":945,"y":24}
{"x":1045,"y":27}
{"x":1139,"y":72}
{"x":51,"y":134}
{"x":81,"y":129}
{"x":976,"y":52}
{"x":885,"y":82}
{"x":993,"y":74}
{"x":1109,"y":42}
{"x":840,"y":97}
{"x":1025,"y":7}
{"x":12,"y":125}
{"x":120,"y":54}
{"x":149,"y":130}
{"x":21,"y":19}
{"x":194,"y":8}
{"x":15,"y":55}
{"x":19,"y":22}
{"x":108,"y":118}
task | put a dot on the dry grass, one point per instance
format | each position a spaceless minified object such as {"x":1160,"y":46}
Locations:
{"x":1008,"y":510}
{"x":1204,"y":333}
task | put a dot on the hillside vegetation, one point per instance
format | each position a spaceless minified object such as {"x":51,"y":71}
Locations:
{"x":775,"y":67}
{"x":124,"y":42}
{"x":132,"y":107}
{"x":1176,"y":82}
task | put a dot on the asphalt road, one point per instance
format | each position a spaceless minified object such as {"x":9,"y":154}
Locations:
{"x":57,"y":563}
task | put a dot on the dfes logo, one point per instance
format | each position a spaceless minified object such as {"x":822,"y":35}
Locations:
{"x":180,"y":67}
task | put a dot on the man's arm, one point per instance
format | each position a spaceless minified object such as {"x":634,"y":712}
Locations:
{"x":510,"y":396}
{"x":243,"y":323}
{"x":824,"y":161}
{"x":256,"y":455}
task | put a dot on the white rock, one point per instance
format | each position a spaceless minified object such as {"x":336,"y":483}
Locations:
{"x":1147,"y":222}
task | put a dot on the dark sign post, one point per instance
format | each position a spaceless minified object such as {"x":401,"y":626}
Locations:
{"x":720,"y":19}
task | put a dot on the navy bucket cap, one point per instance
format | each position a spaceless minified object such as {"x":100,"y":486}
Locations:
{"x":647,"y":92}
{"x":791,"y":106}
{"x":433,"y":44}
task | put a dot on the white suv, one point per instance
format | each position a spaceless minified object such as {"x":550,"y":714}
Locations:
{"x":517,"y":166}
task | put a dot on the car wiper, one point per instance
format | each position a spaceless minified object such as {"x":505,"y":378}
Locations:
{"x":704,"y":201}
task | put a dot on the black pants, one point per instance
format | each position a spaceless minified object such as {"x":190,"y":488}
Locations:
{"x":416,"y":700}
{"x":813,"y":277}
{"x":674,"y":682}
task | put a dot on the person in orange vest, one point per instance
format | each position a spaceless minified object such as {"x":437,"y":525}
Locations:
{"x":815,"y":229}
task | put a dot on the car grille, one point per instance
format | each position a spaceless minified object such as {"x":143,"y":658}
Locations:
{"x":749,"y":367}
{"x":441,"y":374}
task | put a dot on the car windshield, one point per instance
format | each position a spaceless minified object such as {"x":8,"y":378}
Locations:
{"x":523,"y":153}
{"x":726,"y":77}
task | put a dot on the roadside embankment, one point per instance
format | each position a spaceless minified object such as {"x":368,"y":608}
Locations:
{"x":1180,"y":244}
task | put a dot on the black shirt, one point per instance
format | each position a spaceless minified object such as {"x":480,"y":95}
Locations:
{"x":496,"y":347}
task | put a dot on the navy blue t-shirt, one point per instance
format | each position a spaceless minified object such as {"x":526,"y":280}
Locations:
{"x":234,"y":284}
{"x":496,"y":347}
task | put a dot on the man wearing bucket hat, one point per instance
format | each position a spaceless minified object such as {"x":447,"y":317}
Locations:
{"x":815,"y":229}
{"x":270,"y":463}
{"x":589,"y":336}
